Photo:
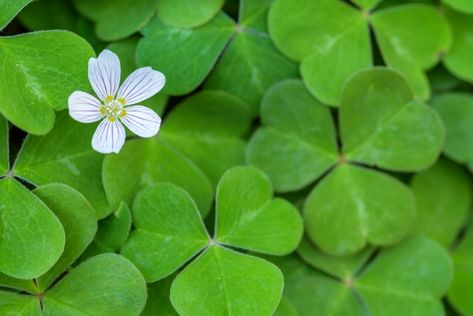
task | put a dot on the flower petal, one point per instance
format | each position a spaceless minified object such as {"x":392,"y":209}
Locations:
{"x":140,"y":85}
{"x":109,"y":137}
{"x":142,"y":121}
{"x":104,"y":74}
{"x":84,"y":107}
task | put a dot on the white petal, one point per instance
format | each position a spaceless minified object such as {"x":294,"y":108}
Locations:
{"x":140,"y":85}
{"x":142,"y":121}
{"x":104,"y":74}
{"x":84,"y":107}
{"x":109,"y":137}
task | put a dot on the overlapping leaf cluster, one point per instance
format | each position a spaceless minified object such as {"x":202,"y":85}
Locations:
{"x":315,"y":158}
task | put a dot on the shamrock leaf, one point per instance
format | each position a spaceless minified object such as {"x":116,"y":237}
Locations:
{"x":159,"y":303}
{"x":411,"y":276}
{"x":184,"y":13}
{"x":32,"y":237}
{"x":111,"y":23}
{"x":174,"y":45}
{"x":247,"y":217}
{"x":4,"y":163}
{"x":73,"y":210}
{"x":50,"y":65}
{"x":288,"y":148}
{"x":9,"y":9}
{"x":443,"y":199}
{"x":456,"y":111}
{"x":297,"y":145}
{"x":458,"y":294}
{"x":64,"y":156}
{"x":332,"y":40}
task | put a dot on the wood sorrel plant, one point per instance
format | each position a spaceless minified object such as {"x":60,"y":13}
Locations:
{"x":313,"y":158}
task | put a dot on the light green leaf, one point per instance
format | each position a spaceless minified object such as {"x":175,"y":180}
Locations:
{"x":249,"y":66}
{"x":19,"y":305}
{"x":253,"y":14}
{"x":381,"y":125}
{"x":237,"y":284}
{"x":462,"y":285}
{"x":354,"y":206}
{"x":106,"y":284}
{"x":144,"y":162}
{"x":458,"y":59}
{"x":65,"y":155}
{"x":78,"y":220}
{"x":9,"y":9}
{"x":338,"y":267}
{"x":185,"y":13}
{"x":207,"y":127}
{"x":18,"y":284}
{"x":366,"y":4}
{"x":175,"y":45}
{"x":412,"y":276}
{"x":460,"y":5}
{"x":248,"y":217}
{"x":32,"y":237}
{"x":40,"y":70}
{"x":408,"y":45}
{"x":167,"y":221}
{"x":297,"y":142}
{"x":443,"y":198}
{"x":4,"y":157}
{"x":456,"y":111}
{"x":331,"y":38}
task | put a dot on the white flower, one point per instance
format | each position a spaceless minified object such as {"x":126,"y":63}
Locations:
{"x":114,"y":108}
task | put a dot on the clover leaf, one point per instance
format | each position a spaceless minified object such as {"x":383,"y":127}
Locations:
{"x":247,"y":217}
{"x":9,"y":9}
{"x":443,"y":199}
{"x":4,"y":163}
{"x":50,"y":65}
{"x":184,"y":13}
{"x":332,"y":40}
{"x":64,"y":156}
{"x":458,"y":294}
{"x":411,"y":276}
{"x":297,"y":146}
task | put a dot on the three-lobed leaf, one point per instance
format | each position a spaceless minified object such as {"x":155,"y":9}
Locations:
{"x":4,"y":157}
{"x":185,"y":14}
{"x":9,"y":9}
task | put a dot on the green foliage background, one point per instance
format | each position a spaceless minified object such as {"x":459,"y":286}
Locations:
{"x":315,"y":159}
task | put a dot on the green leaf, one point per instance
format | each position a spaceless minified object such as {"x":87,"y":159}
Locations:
{"x":207,"y":127}
{"x":331,"y":38}
{"x":4,"y":163}
{"x":144,"y":162}
{"x":250,"y":65}
{"x":366,"y":4}
{"x":461,"y":287}
{"x":185,"y":13}
{"x":78,"y":220}
{"x":17,"y":304}
{"x":229,"y":278}
{"x":456,"y":111}
{"x":288,"y":148}
{"x":338,"y":267}
{"x":175,"y":45}
{"x":253,"y":14}
{"x":48,"y":15}
{"x":158,"y":303}
{"x":458,"y":59}
{"x":248,"y":217}
{"x":40,"y":70}
{"x":9,"y":9}
{"x":407,"y":45}
{"x":114,"y":230}
{"x":18,"y":284}
{"x":381,"y":125}
{"x":65,"y":155}
{"x":366,"y":206}
{"x":412,"y":276}
{"x":460,"y":5}
{"x":285,"y":308}
{"x":107,"y":284}
{"x":32,"y":238}
{"x":167,"y":221}
{"x":443,"y":198}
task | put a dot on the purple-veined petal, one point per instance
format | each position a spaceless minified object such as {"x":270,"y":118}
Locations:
{"x":84,"y":107}
{"x":109,"y":137}
{"x":140,"y":85}
{"x":104,"y":74}
{"x":142,"y":121}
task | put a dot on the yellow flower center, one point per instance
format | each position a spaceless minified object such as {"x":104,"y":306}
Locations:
{"x":113,"y":109}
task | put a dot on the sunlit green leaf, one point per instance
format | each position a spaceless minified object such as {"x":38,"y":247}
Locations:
{"x":184,"y":13}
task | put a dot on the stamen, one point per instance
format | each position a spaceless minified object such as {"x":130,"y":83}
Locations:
{"x":103,"y":110}
{"x":122,"y":101}
{"x":122,"y":113}
{"x":108,"y":99}
{"x":112,"y":118}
